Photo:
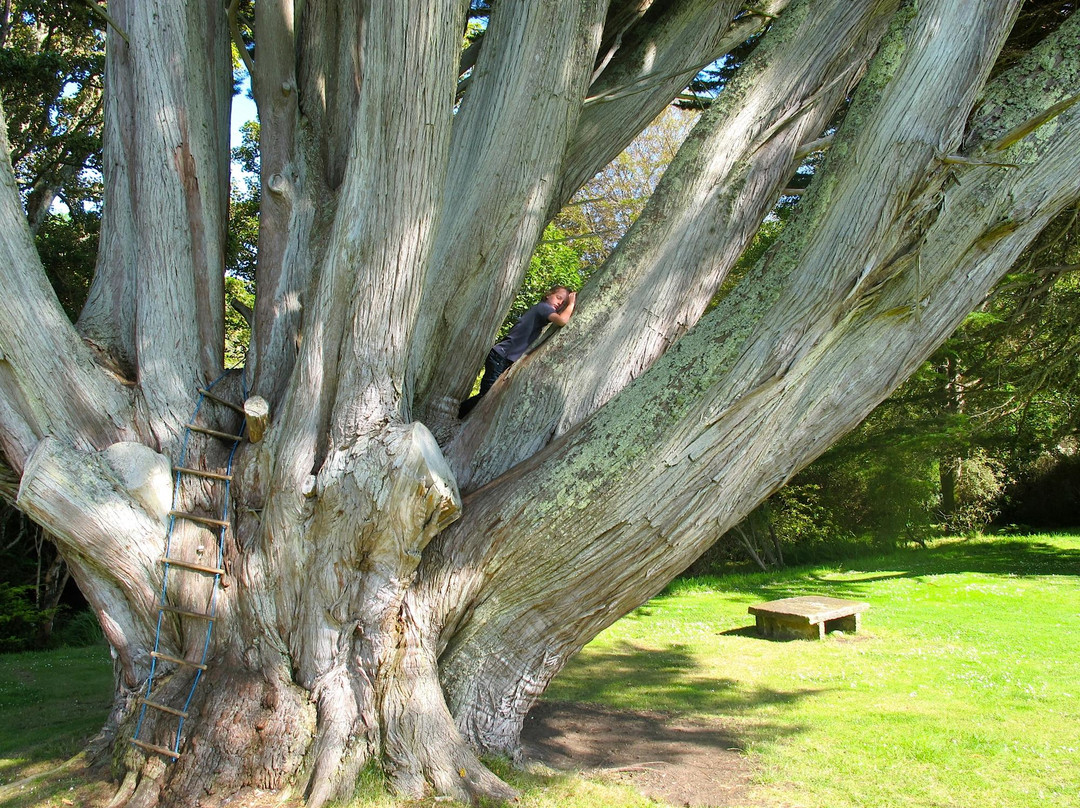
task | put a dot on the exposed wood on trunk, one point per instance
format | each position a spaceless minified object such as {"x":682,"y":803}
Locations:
{"x":257,"y":413}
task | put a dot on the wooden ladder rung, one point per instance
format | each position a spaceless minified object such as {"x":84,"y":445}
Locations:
{"x":165,"y":708}
{"x":215,"y":433}
{"x":177,"y":661}
{"x":194,"y":517}
{"x":213,"y":475}
{"x":222,"y":401}
{"x":165,"y":607}
{"x":161,"y":750}
{"x":176,"y":562}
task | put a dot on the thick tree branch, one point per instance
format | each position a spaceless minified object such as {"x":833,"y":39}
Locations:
{"x":364,"y":298}
{"x":666,"y":40}
{"x":157,"y":301}
{"x":49,"y":382}
{"x":1024,"y":129}
{"x":530,"y":76}
{"x":237,"y":37}
{"x":657,"y":59}
{"x":291,"y":193}
{"x":706,"y":209}
{"x":107,"y":536}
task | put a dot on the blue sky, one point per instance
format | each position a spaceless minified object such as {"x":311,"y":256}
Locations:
{"x":243,"y":110}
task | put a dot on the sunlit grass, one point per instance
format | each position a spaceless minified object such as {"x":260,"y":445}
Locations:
{"x":960,"y":689}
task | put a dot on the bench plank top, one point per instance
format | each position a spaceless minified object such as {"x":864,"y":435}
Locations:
{"x":811,"y":608}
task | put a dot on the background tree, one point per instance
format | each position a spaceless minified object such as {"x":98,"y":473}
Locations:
{"x":615,"y":196}
{"x":985,"y":430}
{"x":241,"y":245}
{"x":402,"y":586}
{"x":51,"y":58}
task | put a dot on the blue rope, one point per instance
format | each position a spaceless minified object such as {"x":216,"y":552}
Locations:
{"x":165,"y":573}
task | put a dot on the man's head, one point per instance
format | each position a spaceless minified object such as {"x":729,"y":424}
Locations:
{"x":557,"y":296}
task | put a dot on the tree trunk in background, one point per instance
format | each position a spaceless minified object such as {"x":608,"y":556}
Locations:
{"x":951,"y":463}
{"x":369,"y":609}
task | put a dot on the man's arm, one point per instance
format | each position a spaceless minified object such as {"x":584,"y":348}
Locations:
{"x":563,"y":317}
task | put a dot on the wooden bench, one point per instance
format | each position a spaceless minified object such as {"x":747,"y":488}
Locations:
{"x":807,"y":617}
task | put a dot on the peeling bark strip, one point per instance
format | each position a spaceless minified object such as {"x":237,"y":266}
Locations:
{"x":372,"y":612}
{"x":158,"y":294}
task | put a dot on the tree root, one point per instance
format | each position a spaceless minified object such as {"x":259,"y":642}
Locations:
{"x":150,"y":781}
{"x":126,"y":789}
{"x":337,"y":754}
{"x":421,"y":742}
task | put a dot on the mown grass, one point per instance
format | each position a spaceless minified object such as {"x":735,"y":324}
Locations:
{"x":960,"y":690}
{"x":52,"y":702}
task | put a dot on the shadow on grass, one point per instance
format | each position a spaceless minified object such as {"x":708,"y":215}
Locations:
{"x":52,"y":703}
{"x":643,"y":681}
{"x":1014,"y":557}
{"x":567,"y":735}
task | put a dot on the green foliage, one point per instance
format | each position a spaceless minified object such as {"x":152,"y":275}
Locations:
{"x":556,"y":262}
{"x":242,"y":245}
{"x":51,"y":67}
{"x":20,"y":619}
{"x":80,"y":631}
{"x":242,"y":239}
{"x":245,"y":18}
{"x":239,"y":297}
{"x":1048,"y":494}
{"x":67,"y":244}
{"x":609,"y":203}
{"x":51,"y":63}
{"x":978,"y":492}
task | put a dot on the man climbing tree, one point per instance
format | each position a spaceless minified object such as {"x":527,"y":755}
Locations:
{"x":399,"y":585}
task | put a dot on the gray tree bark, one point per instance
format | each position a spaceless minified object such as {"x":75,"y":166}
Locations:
{"x":369,"y":610}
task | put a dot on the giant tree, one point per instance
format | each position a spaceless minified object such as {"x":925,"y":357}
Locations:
{"x":398,"y":585}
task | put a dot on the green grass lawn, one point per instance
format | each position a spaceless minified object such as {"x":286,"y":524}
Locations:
{"x":961,"y":689}
{"x":51,"y":703}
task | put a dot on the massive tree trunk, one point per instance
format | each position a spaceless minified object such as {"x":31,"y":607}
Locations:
{"x":366,"y":609}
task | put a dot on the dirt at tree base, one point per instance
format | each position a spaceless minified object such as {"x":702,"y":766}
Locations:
{"x":675,"y":760}
{"x":671,"y":759}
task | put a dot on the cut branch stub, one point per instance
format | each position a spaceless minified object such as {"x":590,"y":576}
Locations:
{"x":257,"y":413}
